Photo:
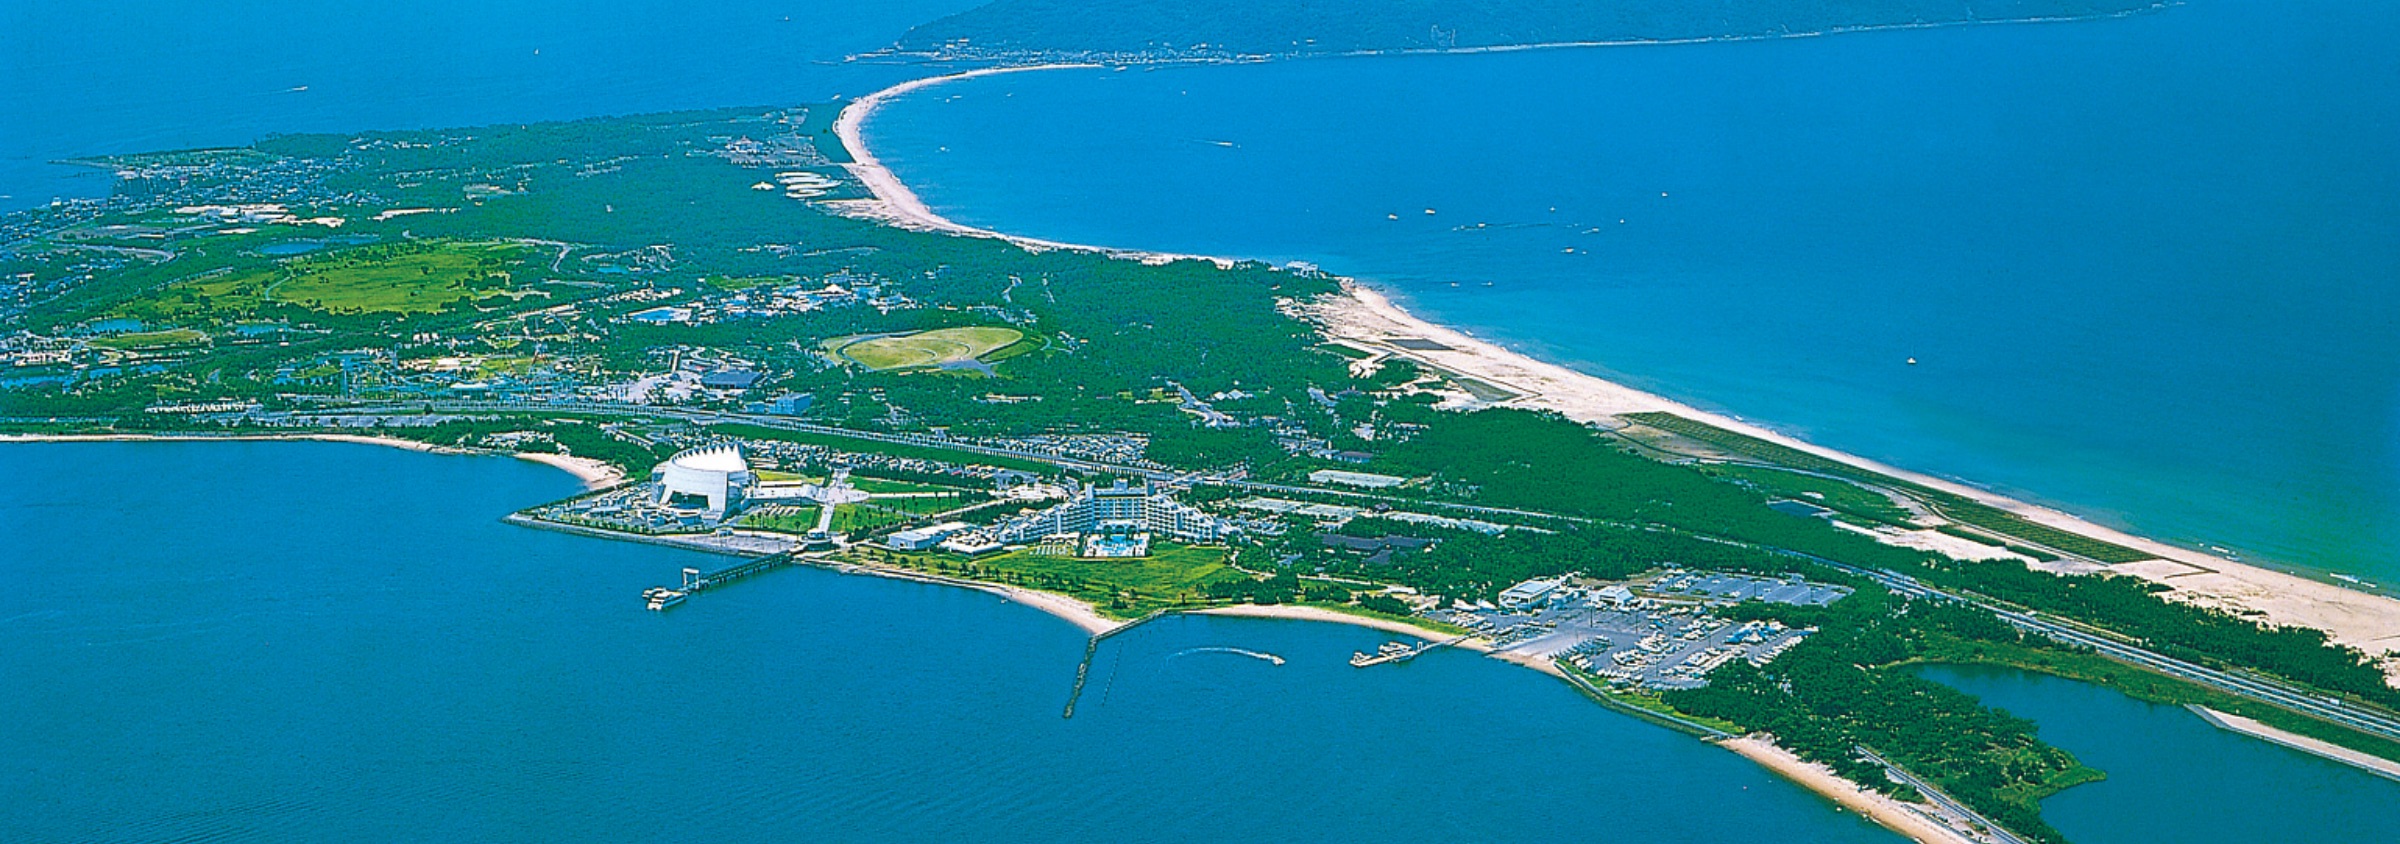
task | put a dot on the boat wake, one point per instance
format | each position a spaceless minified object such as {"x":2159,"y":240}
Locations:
{"x":1238,"y":651}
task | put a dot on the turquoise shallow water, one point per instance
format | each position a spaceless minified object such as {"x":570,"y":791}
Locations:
{"x":326,"y":642}
{"x":2150,"y":266}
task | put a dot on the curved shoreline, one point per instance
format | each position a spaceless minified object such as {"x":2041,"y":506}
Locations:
{"x":2360,"y":619}
{"x":594,"y":474}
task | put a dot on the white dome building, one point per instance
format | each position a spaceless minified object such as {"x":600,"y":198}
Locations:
{"x":713,"y":478}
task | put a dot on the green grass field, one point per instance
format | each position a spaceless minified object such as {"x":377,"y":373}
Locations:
{"x":408,"y":278}
{"x":1172,"y":576}
{"x":930,"y":348}
{"x":400,"y":281}
{"x":787,"y":519}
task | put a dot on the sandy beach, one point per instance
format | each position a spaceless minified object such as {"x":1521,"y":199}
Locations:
{"x":1891,"y":814}
{"x":895,"y":204}
{"x":1074,"y":612}
{"x":1365,"y":317}
{"x":1287,"y":611}
{"x":594,"y":474}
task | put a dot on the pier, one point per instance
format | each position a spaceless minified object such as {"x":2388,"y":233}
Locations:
{"x":695,"y":581}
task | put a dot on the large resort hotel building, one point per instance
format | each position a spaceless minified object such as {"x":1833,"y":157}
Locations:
{"x":1112,"y":521}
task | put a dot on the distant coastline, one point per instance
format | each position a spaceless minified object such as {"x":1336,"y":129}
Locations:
{"x":593,"y":473}
{"x":1060,"y":56}
{"x":2353,"y":617}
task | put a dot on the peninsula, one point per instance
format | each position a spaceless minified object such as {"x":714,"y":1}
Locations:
{"x":778,"y":351}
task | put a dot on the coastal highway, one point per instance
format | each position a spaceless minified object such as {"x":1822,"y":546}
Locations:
{"x":2277,"y":692}
{"x":785,"y":423}
{"x":1997,"y":833}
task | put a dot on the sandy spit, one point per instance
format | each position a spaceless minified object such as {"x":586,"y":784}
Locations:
{"x":593,"y":473}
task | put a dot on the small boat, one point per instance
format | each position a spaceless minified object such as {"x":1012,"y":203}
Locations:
{"x":1390,"y":652}
{"x":660,"y":598}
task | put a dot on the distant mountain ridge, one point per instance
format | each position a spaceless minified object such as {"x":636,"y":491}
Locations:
{"x":1228,"y":28}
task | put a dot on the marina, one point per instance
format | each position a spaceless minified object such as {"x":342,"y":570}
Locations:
{"x":1396,"y":652}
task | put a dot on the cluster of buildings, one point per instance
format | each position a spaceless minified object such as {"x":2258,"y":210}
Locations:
{"x":1660,"y":633}
{"x":1117,"y":510}
{"x":769,"y":300}
{"x":1117,"y":521}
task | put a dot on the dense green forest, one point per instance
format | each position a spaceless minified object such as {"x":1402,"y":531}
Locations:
{"x":1302,"y":27}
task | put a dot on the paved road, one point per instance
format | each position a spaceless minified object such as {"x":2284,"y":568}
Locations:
{"x":2277,"y":692}
{"x":1997,"y":832}
{"x":785,"y":423}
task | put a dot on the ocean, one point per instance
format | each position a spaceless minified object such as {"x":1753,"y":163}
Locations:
{"x":2149,"y":267}
{"x":334,"y":642}
{"x":151,"y":75}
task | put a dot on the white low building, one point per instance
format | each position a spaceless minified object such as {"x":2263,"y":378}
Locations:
{"x":919,"y":539}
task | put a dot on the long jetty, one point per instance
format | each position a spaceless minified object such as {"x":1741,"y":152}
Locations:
{"x":1083,"y":670}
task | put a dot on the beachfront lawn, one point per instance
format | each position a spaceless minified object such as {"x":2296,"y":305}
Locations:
{"x":1173,"y":576}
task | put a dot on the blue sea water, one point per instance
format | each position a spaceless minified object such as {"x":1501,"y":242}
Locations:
{"x":147,"y":75}
{"x":332,"y":642}
{"x":2173,"y":777}
{"x":2150,"y":266}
